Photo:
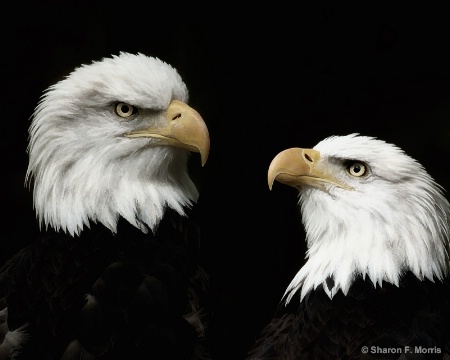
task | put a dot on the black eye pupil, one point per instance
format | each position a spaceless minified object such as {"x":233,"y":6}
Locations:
{"x":125,"y":109}
{"x":356,"y":168}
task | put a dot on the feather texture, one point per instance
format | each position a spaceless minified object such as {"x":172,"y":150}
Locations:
{"x":81,"y":166}
{"x":132,"y":293}
{"x":409,"y":321}
{"x":116,"y":270}
{"x":376,"y":281}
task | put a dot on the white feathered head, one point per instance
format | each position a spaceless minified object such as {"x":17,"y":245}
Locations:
{"x":368,"y":209}
{"x":112,"y":139}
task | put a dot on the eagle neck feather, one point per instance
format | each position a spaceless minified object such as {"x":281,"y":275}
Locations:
{"x":67,"y":198}
{"x":382,"y":245}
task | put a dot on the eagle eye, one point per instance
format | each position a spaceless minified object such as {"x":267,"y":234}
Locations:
{"x":124,"y":110}
{"x":356,"y":169}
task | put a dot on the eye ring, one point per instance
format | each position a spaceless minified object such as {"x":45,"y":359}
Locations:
{"x":124,"y":110}
{"x":357,"y":169}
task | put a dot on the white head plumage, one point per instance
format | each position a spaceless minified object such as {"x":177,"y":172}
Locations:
{"x":390,"y":219}
{"x":82,"y":166}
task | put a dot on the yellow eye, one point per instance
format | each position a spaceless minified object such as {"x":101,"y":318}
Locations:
{"x":124,"y":110}
{"x":357,"y":169}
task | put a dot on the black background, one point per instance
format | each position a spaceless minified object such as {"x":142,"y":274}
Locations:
{"x":263,"y":81}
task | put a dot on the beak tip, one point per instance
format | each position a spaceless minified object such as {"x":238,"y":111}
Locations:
{"x":203,"y":159}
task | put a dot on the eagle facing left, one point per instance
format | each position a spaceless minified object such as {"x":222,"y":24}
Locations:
{"x":116,"y":271}
{"x":376,"y":280}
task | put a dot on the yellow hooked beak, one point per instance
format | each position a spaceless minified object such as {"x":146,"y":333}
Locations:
{"x":185,"y":129}
{"x":296,"y":167}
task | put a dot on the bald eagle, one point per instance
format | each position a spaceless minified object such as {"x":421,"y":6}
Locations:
{"x":116,"y":271}
{"x":375,"y":284}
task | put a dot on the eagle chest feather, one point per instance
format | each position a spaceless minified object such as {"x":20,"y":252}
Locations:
{"x":138,"y":290}
{"x":415,"y":314}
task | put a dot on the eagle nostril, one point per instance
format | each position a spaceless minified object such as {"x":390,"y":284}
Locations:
{"x":177,"y":116}
{"x":307,"y":157}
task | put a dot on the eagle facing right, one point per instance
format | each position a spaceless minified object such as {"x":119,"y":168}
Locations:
{"x":116,"y":269}
{"x":375,"y":284}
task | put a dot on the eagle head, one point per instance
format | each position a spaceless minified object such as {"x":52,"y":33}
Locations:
{"x":112,"y":140}
{"x":368,"y":209}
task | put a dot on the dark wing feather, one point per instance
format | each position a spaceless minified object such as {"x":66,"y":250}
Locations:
{"x":144,"y":293}
{"x":416,"y":314}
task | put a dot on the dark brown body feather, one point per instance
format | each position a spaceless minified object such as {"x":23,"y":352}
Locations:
{"x":149,"y":290}
{"x":365,"y":324}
